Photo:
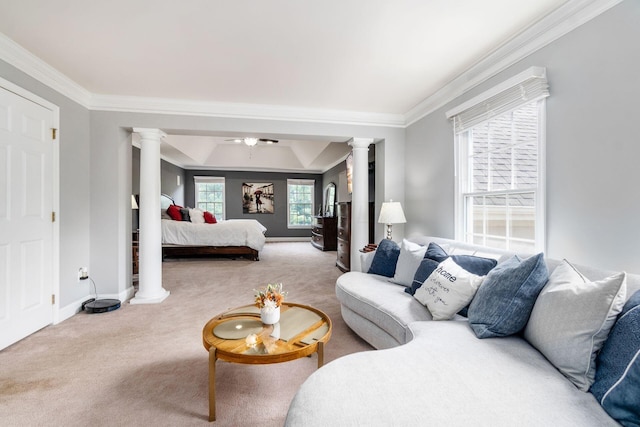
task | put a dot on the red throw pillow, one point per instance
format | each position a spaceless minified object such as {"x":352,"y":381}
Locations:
{"x":209,"y":218}
{"x":174,"y":212}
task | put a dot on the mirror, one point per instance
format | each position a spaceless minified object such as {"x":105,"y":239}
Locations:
{"x":329,"y":199}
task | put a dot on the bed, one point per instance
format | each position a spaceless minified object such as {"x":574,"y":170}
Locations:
{"x":233,"y":237}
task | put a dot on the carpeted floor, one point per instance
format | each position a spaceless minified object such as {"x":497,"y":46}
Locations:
{"x":145,"y":365}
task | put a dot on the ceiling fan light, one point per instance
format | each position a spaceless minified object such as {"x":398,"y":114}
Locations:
{"x":251,"y":141}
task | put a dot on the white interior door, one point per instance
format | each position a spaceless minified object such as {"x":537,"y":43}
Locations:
{"x":26,"y":227}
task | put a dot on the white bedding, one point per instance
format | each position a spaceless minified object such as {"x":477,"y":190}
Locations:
{"x":232,"y":232}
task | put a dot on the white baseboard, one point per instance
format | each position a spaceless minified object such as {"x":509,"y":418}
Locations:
{"x":288,"y":239}
{"x":75,"y":307}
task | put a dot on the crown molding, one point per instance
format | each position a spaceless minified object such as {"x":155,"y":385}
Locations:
{"x":242,"y":111}
{"x":566,"y":18}
{"x":14,"y":54}
{"x":551,"y":27}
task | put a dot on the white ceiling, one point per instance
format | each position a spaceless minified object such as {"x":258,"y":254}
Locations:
{"x":361,"y":56}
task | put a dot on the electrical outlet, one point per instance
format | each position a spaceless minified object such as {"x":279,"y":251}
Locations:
{"x":83,"y":274}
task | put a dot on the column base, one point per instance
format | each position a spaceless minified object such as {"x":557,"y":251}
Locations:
{"x":153,"y":300}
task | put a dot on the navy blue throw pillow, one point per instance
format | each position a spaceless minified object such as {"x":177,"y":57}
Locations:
{"x":617,"y":383}
{"x":423,"y":272}
{"x":385,"y":259}
{"x":504,"y":302}
{"x":473,"y":264}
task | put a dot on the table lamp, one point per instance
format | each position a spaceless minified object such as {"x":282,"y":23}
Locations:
{"x":391,"y":213}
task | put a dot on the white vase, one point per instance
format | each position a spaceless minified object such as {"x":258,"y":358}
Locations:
{"x":270,"y":316}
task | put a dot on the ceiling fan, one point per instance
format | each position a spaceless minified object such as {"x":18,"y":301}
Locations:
{"x":253,"y":141}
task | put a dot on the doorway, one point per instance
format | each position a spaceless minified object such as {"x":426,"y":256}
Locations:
{"x":27,"y":279}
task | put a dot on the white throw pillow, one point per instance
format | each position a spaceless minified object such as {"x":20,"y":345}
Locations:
{"x":196,"y":215}
{"x":411,"y":254}
{"x":448,"y":290}
{"x":572,"y":318}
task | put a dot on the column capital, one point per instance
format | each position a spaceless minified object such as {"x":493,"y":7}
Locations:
{"x":360,"y":142}
{"x":150,"y":133}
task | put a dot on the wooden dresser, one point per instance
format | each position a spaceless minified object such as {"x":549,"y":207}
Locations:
{"x":344,"y":236}
{"x":323,"y":234}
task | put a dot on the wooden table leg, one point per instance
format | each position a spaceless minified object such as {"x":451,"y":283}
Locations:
{"x":320,"y":354}
{"x":212,"y":383}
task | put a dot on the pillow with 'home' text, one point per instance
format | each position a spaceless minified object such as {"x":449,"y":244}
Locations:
{"x":448,"y":289}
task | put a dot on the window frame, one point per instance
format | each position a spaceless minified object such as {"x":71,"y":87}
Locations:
{"x":211,"y":180}
{"x":463,"y":173}
{"x":308,"y":182}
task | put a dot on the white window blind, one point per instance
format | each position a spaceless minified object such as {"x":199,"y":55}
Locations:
{"x":524,"y":88}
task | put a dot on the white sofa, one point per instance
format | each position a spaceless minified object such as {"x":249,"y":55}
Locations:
{"x":438,"y":372}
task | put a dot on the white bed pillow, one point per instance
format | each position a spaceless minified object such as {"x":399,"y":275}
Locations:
{"x":197,"y":216}
{"x":411,"y":255}
{"x":448,"y":290}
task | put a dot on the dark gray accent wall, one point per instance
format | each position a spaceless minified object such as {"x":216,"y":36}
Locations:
{"x":592,"y":172}
{"x":275,"y":223}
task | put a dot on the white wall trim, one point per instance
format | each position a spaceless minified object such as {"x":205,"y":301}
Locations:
{"x":14,"y":54}
{"x":242,"y":111}
{"x":568,"y":17}
{"x":71,"y":309}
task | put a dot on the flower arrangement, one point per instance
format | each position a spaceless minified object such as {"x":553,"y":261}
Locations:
{"x":270,"y":297}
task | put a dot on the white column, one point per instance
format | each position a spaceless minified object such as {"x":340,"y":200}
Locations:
{"x":150,"y":290}
{"x":359,"y":199}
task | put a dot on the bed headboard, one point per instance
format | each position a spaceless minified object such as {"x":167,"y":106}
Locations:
{"x":166,"y":201}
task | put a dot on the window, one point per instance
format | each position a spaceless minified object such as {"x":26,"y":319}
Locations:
{"x":210,"y":195}
{"x":500,"y":165}
{"x":300,"y":203}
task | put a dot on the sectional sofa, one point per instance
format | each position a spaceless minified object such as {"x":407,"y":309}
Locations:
{"x":539,"y":369}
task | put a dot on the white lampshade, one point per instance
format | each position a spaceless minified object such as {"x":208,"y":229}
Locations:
{"x":134,"y":204}
{"x":391,"y":213}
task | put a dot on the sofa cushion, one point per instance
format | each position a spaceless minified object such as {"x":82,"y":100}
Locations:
{"x":572,"y":318}
{"x":448,"y":289}
{"x":503,"y":303}
{"x":444,"y":377}
{"x":377,"y":300}
{"x":617,"y":384}
{"x":385,"y":259}
{"x":408,"y":262}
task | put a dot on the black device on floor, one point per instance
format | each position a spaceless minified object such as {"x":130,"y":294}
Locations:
{"x":100,"y":305}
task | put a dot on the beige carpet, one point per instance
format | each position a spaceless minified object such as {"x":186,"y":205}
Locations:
{"x":145,"y":365}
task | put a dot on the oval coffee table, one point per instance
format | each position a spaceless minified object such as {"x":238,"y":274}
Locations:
{"x":301,"y":331}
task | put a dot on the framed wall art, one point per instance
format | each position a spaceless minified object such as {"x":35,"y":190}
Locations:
{"x":257,"y":197}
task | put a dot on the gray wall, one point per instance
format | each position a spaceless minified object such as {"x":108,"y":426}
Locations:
{"x":75,"y":181}
{"x":275,"y":223}
{"x":592,"y":146}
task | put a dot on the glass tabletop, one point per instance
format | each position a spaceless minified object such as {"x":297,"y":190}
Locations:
{"x":240,"y":331}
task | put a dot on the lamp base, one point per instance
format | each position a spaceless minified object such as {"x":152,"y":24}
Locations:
{"x":389,"y":231}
